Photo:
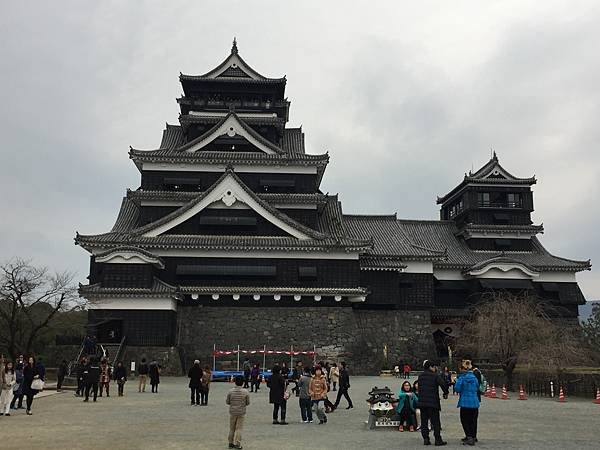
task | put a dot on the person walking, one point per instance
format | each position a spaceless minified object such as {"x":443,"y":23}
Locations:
{"x":154,"y":373}
{"x":344,"y":386}
{"x":8,"y":380}
{"x":30,"y":373}
{"x":303,"y":387}
{"x":105,"y":376}
{"x":120,"y":376}
{"x":277,"y":395}
{"x":318,"y":392}
{"x":467,"y":386}
{"x":91,"y":375}
{"x":17,"y":401}
{"x":407,"y":407}
{"x":430,"y":383}
{"x":61,"y":373}
{"x":143,"y":374}
{"x":334,"y":375}
{"x":238,"y":399}
{"x":247,"y":366}
{"x":255,"y":378}
{"x":195,"y":376}
{"x":205,"y":386}
{"x":79,"y":374}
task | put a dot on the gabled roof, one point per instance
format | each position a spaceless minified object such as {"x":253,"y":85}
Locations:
{"x":130,"y":253}
{"x":229,"y":189}
{"x":158,"y":289}
{"x":490,"y":173}
{"x":233,"y":68}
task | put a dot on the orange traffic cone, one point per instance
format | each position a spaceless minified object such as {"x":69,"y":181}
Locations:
{"x":522,"y":393}
{"x":493,"y":391}
{"x":504,"y":393}
{"x":597,"y":401}
{"x":488,"y":392}
{"x":561,"y":395}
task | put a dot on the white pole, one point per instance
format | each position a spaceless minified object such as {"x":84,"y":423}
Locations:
{"x":291,"y":356}
{"x":238,"y":367}
{"x":552,"y":389}
{"x":214,"y":357}
{"x":264,"y":356}
{"x":314,"y":354}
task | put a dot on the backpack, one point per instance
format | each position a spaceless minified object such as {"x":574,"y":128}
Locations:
{"x":482,"y":381}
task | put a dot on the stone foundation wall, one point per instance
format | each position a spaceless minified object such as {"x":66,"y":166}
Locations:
{"x":167,"y":358}
{"x":339,"y":334}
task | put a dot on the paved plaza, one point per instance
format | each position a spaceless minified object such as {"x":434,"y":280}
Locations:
{"x":166,"y":420}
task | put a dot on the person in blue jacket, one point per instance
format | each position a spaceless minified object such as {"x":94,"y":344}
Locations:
{"x":406,"y":407}
{"x":467,"y":386}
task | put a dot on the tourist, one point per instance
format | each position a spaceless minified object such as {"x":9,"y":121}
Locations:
{"x":334,"y":375}
{"x":255,"y":378}
{"x":303,"y":387}
{"x":120,"y":376}
{"x":406,"y":370}
{"x":105,"y":376}
{"x":80,"y":376}
{"x":205,"y":385}
{"x":344,"y":386}
{"x":61,"y":373}
{"x":277,"y":395}
{"x":467,"y":386}
{"x":327,"y":372}
{"x":17,"y":401}
{"x":318,"y":392}
{"x":415,"y":389}
{"x":143,"y":374}
{"x":285,"y":371}
{"x":89,"y":346}
{"x":237,"y":399}
{"x":447,"y":376}
{"x":247,"y":366}
{"x":8,"y":380}
{"x":91,"y":376}
{"x":154,"y":373}
{"x":429,"y":402}
{"x":406,"y":407}
{"x":30,"y":373}
{"x":195,"y":376}
{"x":41,"y":368}
{"x":482,"y":381}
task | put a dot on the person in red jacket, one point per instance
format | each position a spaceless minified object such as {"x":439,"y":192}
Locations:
{"x":406,"y":371}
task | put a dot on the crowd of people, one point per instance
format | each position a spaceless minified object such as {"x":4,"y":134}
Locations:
{"x":20,"y":380}
{"x":419,"y":404}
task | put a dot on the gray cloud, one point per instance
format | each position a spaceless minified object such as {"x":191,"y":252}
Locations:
{"x":406,"y":98}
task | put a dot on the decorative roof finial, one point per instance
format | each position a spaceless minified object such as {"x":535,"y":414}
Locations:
{"x":234,"y":49}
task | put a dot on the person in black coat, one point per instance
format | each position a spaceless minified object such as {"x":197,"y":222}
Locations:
{"x":195,"y":376}
{"x":120,"y":376}
{"x":61,"y":374}
{"x":430,"y":383}
{"x":30,"y":373}
{"x":154,"y":373}
{"x":277,"y":388}
{"x":91,"y":377}
{"x":344,"y":386}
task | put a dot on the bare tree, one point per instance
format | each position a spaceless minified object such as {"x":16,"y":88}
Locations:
{"x":30,"y":299}
{"x":514,"y":328}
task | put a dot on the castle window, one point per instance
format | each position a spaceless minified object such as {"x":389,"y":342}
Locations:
{"x":307,"y":272}
{"x":483,"y":199}
{"x":514,"y":201}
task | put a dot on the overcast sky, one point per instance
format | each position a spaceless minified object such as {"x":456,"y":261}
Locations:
{"x":406,"y":97}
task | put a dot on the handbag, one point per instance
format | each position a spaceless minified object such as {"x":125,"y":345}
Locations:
{"x":37,"y":384}
{"x":16,"y":387}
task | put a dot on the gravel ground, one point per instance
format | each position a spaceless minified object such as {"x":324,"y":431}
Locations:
{"x":166,"y":420}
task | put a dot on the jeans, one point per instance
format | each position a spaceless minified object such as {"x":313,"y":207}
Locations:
{"x":319,"y":410}
{"x":279,"y":406}
{"x":431,"y":415}
{"x":236,"y":424}
{"x":195,"y":395}
{"x":343,"y":391}
{"x":409,"y":417}
{"x":468,"y":420}
{"x":121,"y":385}
{"x":204,"y":395}
{"x":17,"y":401}
{"x":305,"y":409}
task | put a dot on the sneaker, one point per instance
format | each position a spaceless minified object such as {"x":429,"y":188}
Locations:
{"x":310,"y":421}
{"x":283,"y":423}
{"x":29,"y":413}
{"x":401,"y":428}
{"x":305,"y":421}
{"x":231,"y":446}
{"x":275,"y":422}
{"x":7,"y":414}
{"x":411,"y":428}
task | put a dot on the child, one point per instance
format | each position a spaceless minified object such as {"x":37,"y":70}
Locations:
{"x":407,"y":405}
{"x":105,"y":376}
{"x":237,"y":399}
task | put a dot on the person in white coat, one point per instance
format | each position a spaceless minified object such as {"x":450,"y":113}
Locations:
{"x":9,"y":379}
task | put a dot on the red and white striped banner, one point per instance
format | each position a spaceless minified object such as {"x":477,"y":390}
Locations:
{"x":268,"y":352}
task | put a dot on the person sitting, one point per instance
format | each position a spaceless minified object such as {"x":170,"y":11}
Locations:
{"x":406,"y":407}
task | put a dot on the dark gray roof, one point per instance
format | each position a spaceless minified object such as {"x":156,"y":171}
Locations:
{"x":172,"y":137}
{"x":271,"y":290}
{"x":388,"y":236}
{"x":293,"y":141}
{"x":128,"y":217}
{"x":158,"y":289}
